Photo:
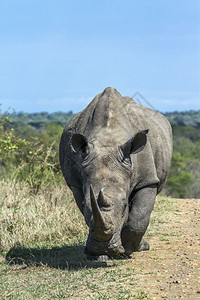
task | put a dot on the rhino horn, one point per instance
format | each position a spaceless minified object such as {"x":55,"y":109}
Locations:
{"x":101,"y":200}
{"x":98,"y":218}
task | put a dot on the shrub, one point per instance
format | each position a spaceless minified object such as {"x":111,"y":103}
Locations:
{"x":30,"y":161}
{"x":179,"y":178}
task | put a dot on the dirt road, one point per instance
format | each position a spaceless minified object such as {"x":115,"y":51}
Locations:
{"x":171,"y":270}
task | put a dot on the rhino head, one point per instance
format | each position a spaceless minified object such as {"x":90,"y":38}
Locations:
{"x":106,"y":166}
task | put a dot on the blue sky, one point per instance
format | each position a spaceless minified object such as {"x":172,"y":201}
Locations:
{"x":57,"y":55}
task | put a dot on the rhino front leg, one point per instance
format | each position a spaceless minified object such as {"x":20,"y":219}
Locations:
{"x":138,"y":220}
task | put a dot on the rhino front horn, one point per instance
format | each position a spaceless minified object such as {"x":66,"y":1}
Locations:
{"x":98,"y":218}
{"x":102,"y":226}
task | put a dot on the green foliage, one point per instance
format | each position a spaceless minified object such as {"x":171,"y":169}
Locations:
{"x":39,"y":168}
{"x":39,"y":120}
{"x":189,"y":132}
{"x":191,"y":117}
{"x":8,"y":141}
{"x":33,"y":160}
{"x":179,"y":178}
{"x":184,"y":176}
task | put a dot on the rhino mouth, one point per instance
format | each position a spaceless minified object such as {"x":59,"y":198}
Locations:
{"x":111,"y":248}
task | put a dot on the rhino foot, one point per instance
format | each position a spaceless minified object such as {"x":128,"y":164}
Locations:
{"x":101,"y":258}
{"x":131,"y":247}
{"x":144,"y":246}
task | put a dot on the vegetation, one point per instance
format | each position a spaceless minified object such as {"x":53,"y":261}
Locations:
{"x":42,"y":232}
{"x":39,"y":119}
{"x":185,"y":118}
{"x":184,"y":177}
{"x":29,"y":154}
{"x":49,"y":218}
{"x":42,"y":239}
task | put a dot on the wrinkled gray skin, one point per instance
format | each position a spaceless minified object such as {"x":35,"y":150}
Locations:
{"x":115,"y":156}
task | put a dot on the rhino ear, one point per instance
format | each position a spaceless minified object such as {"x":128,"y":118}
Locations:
{"x":136,"y":143}
{"x":79,"y":143}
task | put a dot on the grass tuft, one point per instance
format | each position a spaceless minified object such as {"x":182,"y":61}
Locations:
{"x":50,"y":218}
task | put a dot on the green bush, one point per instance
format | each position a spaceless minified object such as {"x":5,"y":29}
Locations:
{"x":9,"y":143}
{"x":32,"y":161}
{"x":179,"y":178}
{"x":40,"y":168}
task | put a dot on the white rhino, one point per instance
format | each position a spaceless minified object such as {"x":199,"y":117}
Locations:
{"x":115,"y":156}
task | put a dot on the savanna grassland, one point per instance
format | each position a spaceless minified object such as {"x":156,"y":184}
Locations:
{"x":42,"y":232}
{"x":42,"y":251}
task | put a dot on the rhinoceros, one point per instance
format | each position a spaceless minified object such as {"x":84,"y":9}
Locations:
{"x":115,"y":156}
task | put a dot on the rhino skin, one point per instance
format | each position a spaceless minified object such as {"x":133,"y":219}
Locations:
{"x":115,"y":156}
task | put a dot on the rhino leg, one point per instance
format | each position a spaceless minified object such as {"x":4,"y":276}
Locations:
{"x":138,"y":220}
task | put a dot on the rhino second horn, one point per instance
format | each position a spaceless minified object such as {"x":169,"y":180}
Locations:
{"x":101,"y":200}
{"x":96,"y":212}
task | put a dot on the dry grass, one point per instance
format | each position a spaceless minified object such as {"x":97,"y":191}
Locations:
{"x":48,"y":218}
{"x":42,"y":251}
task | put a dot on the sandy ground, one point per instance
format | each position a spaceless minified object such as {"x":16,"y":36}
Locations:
{"x":171,"y":270}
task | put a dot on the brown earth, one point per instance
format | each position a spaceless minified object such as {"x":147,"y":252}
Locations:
{"x":172,"y":266}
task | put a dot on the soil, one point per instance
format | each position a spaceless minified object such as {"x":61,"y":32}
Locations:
{"x":171,"y":269}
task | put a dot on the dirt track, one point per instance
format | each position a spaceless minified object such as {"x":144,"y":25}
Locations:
{"x":172,"y":268}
